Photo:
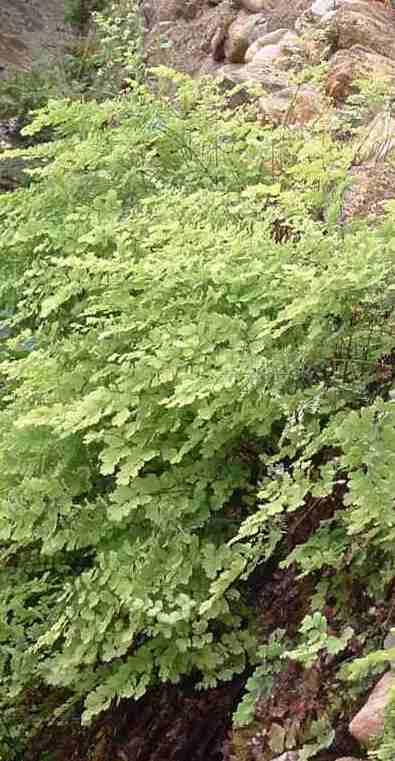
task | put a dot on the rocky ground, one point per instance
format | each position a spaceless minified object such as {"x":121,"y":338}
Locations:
{"x":266,"y":43}
{"x":31,"y":31}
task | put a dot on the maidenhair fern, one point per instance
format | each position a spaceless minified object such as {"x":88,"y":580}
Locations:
{"x":166,"y":326}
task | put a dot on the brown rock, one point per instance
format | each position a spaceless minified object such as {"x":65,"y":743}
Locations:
{"x":292,"y":106}
{"x":32,"y":32}
{"x":217,"y":45}
{"x":368,"y":724}
{"x":159,"y":11}
{"x":373,"y":184}
{"x":242,"y":33}
{"x":286,"y":12}
{"x":369,"y":24}
{"x":188,"y":30}
{"x":357,"y":63}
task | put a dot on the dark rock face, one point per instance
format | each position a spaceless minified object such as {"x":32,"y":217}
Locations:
{"x":168,"y":724}
{"x":30,"y":30}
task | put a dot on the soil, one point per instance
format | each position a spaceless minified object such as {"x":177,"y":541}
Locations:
{"x":169,"y":724}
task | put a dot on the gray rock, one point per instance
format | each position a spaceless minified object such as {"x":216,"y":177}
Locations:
{"x":321,"y":7}
{"x":31,"y":31}
{"x":244,"y":30}
{"x":271,"y":46}
{"x":254,"y":73}
{"x":389,"y":642}
{"x":255,"y":6}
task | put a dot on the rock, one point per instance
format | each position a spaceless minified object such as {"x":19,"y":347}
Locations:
{"x":357,"y":63}
{"x":285,"y":13}
{"x":32,"y":32}
{"x":270,"y":40}
{"x":254,"y":73}
{"x":368,"y":724}
{"x":10,"y":133}
{"x":225,"y":19}
{"x":159,"y":11}
{"x":292,"y":106}
{"x":377,"y":141}
{"x":373,"y":180}
{"x":256,"y":6}
{"x":322,"y":7}
{"x":290,"y":755}
{"x":241,"y":34}
{"x":364,"y":23}
{"x":217,"y":45}
{"x":276,"y":48}
{"x":389,"y":644}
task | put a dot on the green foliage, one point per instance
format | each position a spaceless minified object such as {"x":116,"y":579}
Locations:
{"x":315,"y":638}
{"x":158,"y":323}
{"x":119,"y":48}
{"x":259,"y":685}
{"x":321,"y":737}
{"x":74,"y":12}
{"x":77,"y":12}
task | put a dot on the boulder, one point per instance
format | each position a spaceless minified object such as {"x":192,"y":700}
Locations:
{"x":369,"y":24}
{"x":271,"y":38}
{"x":321,"y":7}
{"x":389,"y":644}
{"x":241,"y":35}
{"x":285,"y":13}
{"x":256,"y":6}
{"x":368,"y":724}
{"x":256,"y":73}
{"x":373,"y":180}
{"x":377,"y":141}
{"x":357,"y":63}
{"x":294,"y":106}
{"x":277,"y":48}
{"x":224,"y":19}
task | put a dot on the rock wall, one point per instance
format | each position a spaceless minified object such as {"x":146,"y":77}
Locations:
{"x":31,"y":31}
